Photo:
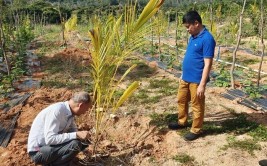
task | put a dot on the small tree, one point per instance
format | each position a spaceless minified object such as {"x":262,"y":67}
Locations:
{"x":262,"y":43}
{"x":237,"y":46}
{"x":2,"y":39}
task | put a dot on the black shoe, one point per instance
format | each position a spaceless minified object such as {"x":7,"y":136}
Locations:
{"x":175,"y":126}
{"x":263,"y":162}
{"x":191,"y":136}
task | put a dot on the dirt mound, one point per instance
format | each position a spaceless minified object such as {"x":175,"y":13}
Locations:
{"x":16,"y":152}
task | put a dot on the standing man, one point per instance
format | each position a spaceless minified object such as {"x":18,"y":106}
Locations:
{"x":196,"y":68}
{"x":53,"y":138}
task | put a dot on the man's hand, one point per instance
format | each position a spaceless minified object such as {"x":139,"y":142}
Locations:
{"x":82,"y":134}
{"x":200,"y":91}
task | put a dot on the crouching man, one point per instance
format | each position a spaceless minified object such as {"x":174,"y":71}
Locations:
{"x":53,"y":138}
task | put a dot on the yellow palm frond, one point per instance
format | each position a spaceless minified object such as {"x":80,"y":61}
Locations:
{"x":127,"y":93}
{"x":71,"y":24}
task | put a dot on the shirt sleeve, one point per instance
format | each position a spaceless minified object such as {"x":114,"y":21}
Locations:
{"x":51,"y":129}
{"x":209,"y":47}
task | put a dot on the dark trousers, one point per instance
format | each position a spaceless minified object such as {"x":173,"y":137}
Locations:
{"x":58,"y":154}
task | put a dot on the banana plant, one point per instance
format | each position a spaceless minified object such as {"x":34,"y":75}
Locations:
{"x":112,"y":42}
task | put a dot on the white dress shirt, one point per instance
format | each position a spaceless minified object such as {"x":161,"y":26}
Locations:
{"x":53,"y":125}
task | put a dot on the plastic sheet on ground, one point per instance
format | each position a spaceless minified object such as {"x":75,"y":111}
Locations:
{"x":242,"y":98}
{"x":28,"y":85}
{"x":15,"y":99}
{"x":163,"y":66}
{"x":6,"y":130}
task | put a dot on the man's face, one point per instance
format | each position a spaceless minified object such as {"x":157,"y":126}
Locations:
{"x":83,"y":108}
{"x":192,"y":28}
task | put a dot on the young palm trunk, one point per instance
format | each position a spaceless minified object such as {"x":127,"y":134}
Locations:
{"x":262,"y":43}
{"x":62,"y":21}
{"x":237,"y":46}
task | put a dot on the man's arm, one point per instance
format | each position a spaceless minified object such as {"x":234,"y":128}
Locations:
{"x":79,"y":134}
{"x":51,"y":129}
{"x":205,"y":76}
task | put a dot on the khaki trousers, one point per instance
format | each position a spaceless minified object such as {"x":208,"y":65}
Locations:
{"x":188,"y":92}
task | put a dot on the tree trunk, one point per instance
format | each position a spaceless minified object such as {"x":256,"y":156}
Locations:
{"x":237,"y":45}
{"x":42,"y":25}
{"x":169,"y":25}
{"x":262,"y":43}
{"x":152,"y":39}
{"x":211,"y":15}
{"x":159,"y":49}
{"x":2,"y":43}
{"x":176,"y":33}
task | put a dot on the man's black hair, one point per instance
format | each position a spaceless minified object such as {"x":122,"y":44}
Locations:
{"x":191,"y":16}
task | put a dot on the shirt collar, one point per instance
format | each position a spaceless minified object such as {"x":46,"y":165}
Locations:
{"x":68,"y":110}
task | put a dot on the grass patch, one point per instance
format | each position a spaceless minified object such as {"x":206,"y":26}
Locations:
{"x":184,"y":158}
{"x":142,"y":70}
{"x":162,"y":120}
{"x":118,"y":93}
{"x":172,"y":108}
{"x":236,"y":125}
{"x":166,"y":87}
{"x":152,"y":99}
{"x":249,"y":61}
{"x":156,"y":90}
{"x":248,"y":145}
{"x":59,"y":84}
{"x":59,"y":64}
{"x":143,"y":97}
{"x":156,"y":83}
{"x":259,"y":133}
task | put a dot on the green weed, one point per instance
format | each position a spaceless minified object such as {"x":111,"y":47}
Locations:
{"x":159,"y":83}
{"x":59,"y":84}
{"x":172,"y":108}
{"x":143,"y":97}
{"x":252,"y":90}
{"x":161,"y":120}
{"x":142,"y":70}
{"x":223,"y":79}
{"x":259,"y":133}
{"x":236,"y":125}
{"x":184,"y":158}
{"x":165,"y":87}
{"x":248,"y":145}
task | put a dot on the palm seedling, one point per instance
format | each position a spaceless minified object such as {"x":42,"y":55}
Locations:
{"x":112,"y":42}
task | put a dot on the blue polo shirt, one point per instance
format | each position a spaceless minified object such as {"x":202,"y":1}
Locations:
{"x":199,"y":47}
